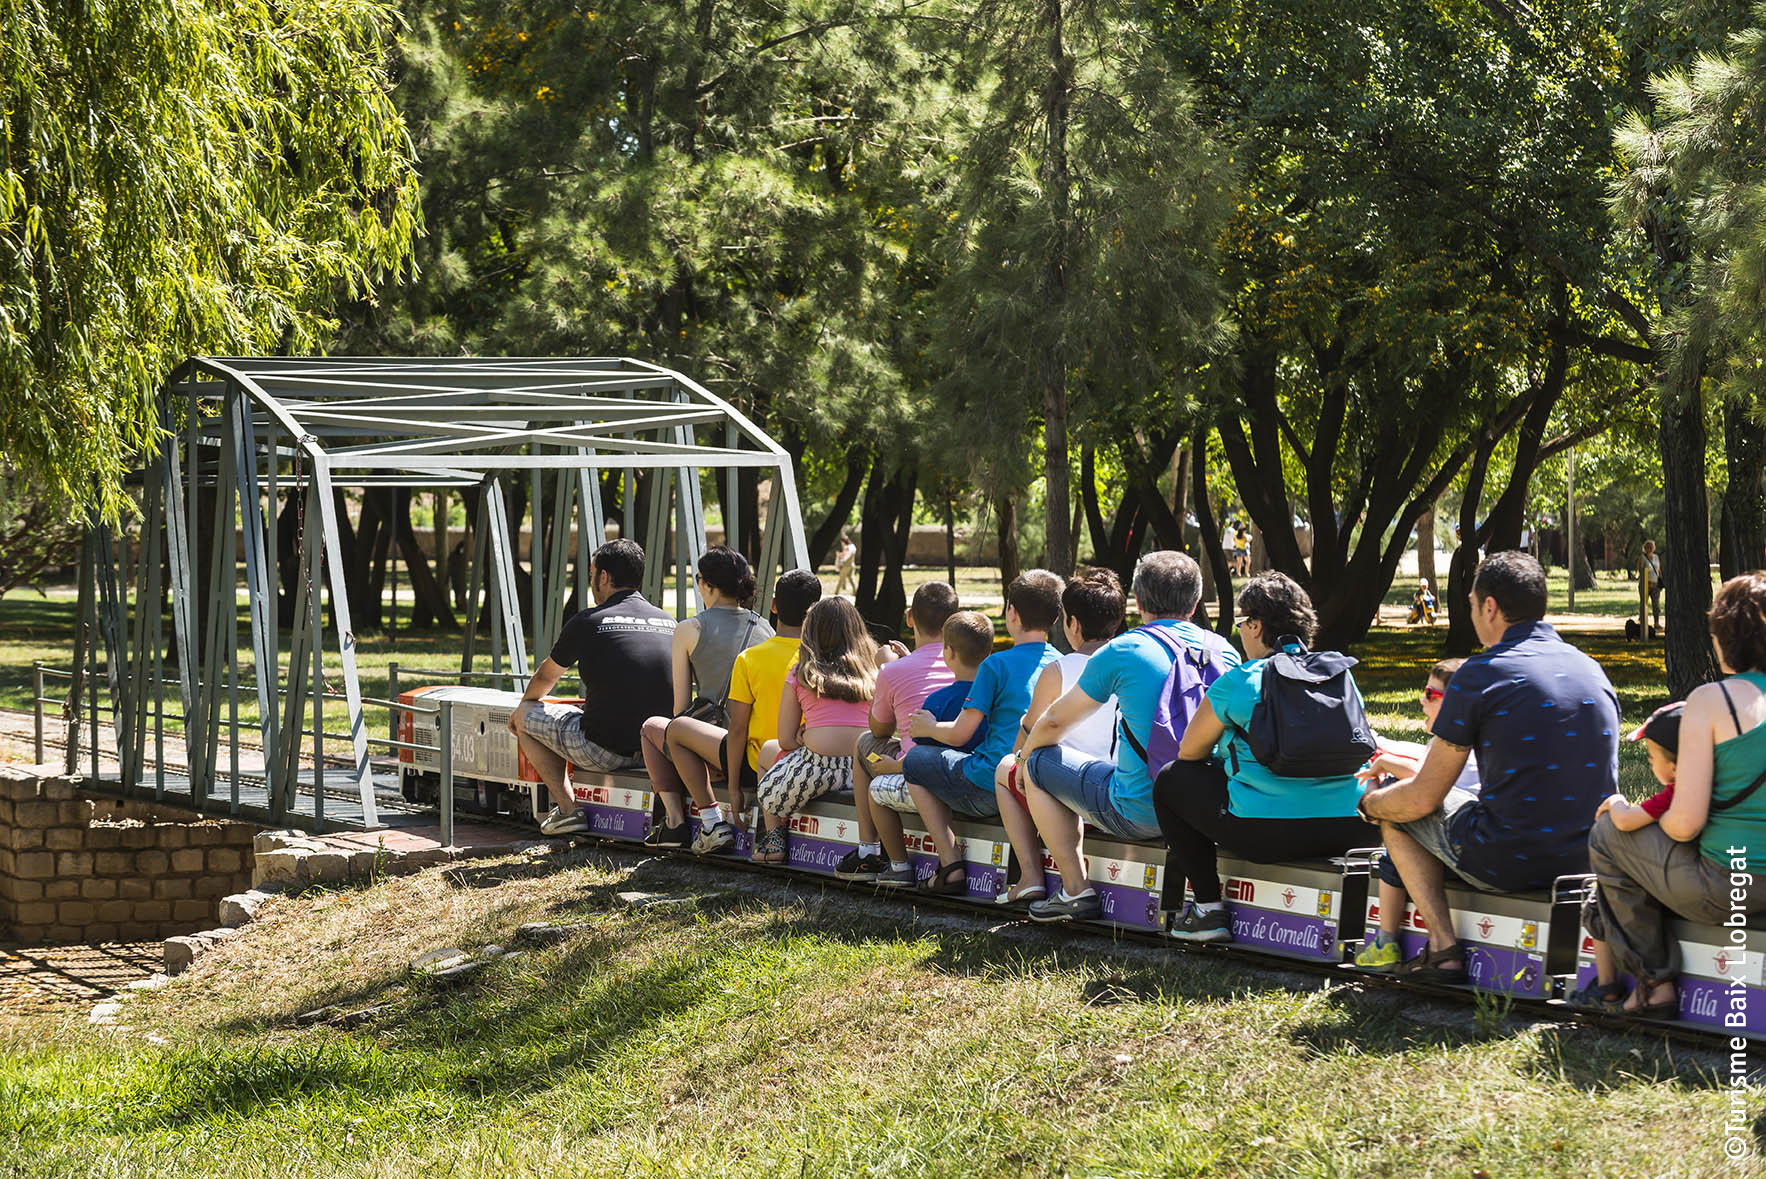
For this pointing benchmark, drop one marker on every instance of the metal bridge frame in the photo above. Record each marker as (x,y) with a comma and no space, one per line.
(262,430)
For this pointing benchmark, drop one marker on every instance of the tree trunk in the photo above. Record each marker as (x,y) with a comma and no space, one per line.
(1462,636)
(1057,104)
(1213,553)
(430,600)
(1425,548)
(1686,544)
(1094,514)
(950,539)
(888,525)
(1743,529)
(821,541)
(1580,568)
(1180,495)
(1007,512)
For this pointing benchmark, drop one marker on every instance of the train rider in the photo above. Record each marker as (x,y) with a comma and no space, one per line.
(1064,787)
(622,648)
(1545,724)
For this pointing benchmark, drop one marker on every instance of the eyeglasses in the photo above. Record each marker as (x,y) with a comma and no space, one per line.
(1244,622)
(1432,693)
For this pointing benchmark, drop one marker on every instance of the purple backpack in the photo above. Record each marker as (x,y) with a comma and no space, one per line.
(1192,670)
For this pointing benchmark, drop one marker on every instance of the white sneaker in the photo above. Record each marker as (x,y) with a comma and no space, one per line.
(558,823)
(715,838)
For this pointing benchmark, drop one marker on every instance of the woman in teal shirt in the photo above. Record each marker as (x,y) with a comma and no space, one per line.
(1702,860)
(1251,810)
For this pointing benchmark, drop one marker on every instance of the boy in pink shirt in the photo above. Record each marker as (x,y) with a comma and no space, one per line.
(902,688)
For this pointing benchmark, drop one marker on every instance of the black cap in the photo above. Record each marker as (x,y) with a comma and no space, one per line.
(1662,727)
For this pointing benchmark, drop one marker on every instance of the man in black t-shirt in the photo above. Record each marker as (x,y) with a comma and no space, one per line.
(622,648)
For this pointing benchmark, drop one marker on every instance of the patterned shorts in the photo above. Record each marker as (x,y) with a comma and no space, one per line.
(559,727)
(800,777)
(891,790)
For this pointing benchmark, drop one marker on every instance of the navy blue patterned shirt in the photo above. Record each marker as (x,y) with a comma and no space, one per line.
(1543,721)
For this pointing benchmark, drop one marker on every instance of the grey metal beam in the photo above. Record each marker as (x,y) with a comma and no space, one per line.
(346,644)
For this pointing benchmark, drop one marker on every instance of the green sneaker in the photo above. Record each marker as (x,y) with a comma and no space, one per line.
(1374,956)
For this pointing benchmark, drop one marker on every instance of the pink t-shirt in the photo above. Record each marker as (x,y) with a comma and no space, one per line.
(902,687)
(818,712)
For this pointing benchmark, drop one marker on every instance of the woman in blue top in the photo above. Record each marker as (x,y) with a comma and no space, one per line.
(1257,813)
(1704,858)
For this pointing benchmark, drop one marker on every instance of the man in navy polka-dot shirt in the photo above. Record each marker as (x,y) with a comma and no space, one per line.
(1545,725)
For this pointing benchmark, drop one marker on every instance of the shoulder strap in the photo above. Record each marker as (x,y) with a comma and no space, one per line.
(1727,699)
(1173,647)
(1742,796)
(724,701)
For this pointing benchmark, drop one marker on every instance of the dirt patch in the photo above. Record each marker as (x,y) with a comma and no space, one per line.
(41,978)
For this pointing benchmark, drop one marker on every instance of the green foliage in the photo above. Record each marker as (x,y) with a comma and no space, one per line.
(1101,274)
(722,188)
(178,177)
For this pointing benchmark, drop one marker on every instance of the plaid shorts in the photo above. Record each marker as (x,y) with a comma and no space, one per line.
(559,727)
(891,790)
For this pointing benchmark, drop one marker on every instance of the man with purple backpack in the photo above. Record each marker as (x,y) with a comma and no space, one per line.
(1167,656)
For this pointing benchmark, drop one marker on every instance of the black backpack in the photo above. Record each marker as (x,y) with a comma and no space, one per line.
(1309,721)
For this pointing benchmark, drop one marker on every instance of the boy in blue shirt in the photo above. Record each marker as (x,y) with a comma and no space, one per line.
(947,780)
(967,641)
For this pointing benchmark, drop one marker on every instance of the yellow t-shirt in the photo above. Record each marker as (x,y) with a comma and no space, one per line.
(758,678)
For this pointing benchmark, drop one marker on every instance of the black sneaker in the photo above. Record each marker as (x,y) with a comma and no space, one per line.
(892,877)
(853,866)
(663,835)
(1087,906)
(1193,925)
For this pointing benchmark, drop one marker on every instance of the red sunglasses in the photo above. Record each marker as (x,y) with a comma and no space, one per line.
(1433,693)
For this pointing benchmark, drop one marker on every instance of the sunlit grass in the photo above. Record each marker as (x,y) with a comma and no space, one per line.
(767,1029)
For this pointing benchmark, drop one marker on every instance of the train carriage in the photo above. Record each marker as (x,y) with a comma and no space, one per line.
(1528,946)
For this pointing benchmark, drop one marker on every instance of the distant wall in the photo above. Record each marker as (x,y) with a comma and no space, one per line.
(74,868)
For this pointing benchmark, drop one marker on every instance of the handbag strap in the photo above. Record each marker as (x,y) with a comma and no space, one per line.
(1741,796)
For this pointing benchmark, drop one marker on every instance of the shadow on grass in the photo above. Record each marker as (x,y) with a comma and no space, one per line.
(1382,1023)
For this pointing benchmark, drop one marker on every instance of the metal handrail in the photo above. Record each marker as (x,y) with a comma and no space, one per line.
(443,710)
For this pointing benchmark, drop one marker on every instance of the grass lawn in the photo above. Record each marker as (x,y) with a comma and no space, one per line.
(766,1028)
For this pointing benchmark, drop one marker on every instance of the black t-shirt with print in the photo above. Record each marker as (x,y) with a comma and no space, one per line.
(622,650)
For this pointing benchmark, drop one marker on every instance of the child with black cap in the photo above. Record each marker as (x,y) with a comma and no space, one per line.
(1660,735)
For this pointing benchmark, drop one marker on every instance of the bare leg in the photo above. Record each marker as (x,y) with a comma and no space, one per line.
(1061,830)
(694,747)
(861,795)
(936,816)
(1392,904)
(887,824)
(545,761)
(663,778)
(1606,967)
(1423,877)
(1026,846)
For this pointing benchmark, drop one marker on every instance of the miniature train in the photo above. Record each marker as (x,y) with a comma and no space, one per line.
(1527,945)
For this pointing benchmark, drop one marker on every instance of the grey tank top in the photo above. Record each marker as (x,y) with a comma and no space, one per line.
(724,633)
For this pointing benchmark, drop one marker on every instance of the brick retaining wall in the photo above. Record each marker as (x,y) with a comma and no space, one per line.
(79,869)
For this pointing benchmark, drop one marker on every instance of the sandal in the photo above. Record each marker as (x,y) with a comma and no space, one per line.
(1606,998)
(1667,1009)
(1427,966)
(939,885)
(1020,894)
(772,847)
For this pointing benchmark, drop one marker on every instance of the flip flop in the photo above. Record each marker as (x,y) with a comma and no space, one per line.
(1016,896)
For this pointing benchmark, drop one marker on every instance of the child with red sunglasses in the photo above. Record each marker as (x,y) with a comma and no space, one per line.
(1399,759)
